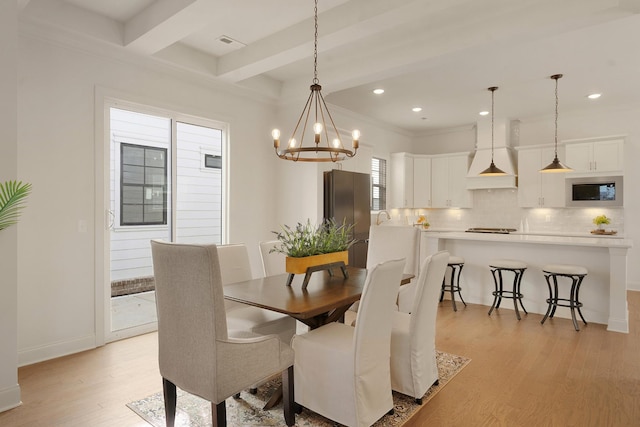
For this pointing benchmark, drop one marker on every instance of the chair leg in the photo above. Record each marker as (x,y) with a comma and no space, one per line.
(170,398)
(288,396)
(219,414)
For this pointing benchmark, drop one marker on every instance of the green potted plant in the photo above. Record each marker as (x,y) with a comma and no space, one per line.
(13,195)
(308,245)
(601,220)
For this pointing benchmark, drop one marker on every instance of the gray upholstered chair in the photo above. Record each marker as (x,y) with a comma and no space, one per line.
(196,353)
(342,372)
(236,267)
(413,336)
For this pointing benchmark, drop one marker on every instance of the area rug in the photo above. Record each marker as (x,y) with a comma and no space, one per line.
(193,411)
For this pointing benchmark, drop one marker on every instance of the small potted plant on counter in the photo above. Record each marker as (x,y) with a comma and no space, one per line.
(600,221)
(422,222)
(311,247)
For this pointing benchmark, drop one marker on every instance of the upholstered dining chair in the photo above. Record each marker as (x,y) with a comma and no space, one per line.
(273,263)
(235,266)
(413,336)
(195,351)
(342,372)
(394,242)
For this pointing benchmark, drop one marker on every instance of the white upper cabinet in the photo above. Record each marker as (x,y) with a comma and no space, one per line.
(448,182)
(596,156)
(421,182)
(537,189)
(401,180)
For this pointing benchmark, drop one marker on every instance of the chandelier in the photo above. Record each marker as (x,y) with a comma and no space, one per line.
(492,170)
(322,150)
(555,166)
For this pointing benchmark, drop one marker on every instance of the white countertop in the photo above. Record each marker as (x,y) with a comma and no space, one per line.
(570,240)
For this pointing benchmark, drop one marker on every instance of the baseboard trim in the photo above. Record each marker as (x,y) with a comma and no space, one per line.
(10,398)
(633,286)
(39,354)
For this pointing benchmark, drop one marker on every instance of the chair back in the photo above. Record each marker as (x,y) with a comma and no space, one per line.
(422,327)
(394,242)
(272,263)
(374,319)
(235,265)
(191,312)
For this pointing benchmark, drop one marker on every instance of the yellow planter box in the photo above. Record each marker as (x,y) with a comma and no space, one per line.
(300,265)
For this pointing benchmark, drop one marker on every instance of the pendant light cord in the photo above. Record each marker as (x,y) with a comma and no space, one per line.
(315,45)
(493,91)
(556,133)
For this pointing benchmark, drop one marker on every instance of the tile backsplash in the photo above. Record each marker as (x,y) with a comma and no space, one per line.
(498,208)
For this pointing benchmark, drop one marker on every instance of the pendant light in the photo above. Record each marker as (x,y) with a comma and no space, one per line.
(555,166)
(321,150)
(492,170)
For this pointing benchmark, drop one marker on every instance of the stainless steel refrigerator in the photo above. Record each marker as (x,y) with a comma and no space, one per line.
(347,196)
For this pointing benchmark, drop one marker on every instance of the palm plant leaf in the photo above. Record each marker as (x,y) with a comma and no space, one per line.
(13,195)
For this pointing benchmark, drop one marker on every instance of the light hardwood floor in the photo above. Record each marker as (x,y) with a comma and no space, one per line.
(521,374)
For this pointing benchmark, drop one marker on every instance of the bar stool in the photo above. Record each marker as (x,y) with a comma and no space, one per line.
(499,266)
(455,263)
(574,272)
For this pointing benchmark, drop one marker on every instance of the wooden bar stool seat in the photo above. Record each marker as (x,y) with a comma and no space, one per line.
(574,272)
(456,264)
(498,267)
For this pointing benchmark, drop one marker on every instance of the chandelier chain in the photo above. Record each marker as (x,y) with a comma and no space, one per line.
(315,45)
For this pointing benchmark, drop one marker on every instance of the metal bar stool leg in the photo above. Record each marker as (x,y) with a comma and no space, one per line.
(577,299)
(451,287)
(458,283)
(549,300)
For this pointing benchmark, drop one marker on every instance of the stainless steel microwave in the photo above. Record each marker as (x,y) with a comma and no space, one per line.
(597,191)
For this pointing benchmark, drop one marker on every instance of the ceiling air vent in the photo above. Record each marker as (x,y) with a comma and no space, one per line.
(230,42)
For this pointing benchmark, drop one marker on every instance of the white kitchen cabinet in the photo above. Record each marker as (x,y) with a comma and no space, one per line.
(535,189)
(421,182)
(401,180)
(448,181)
(595,156)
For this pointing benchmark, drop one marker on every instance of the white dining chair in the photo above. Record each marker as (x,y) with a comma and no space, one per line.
(235,266)
(394,242)
(195,350)
(273,263)
(342,372)
(413,336)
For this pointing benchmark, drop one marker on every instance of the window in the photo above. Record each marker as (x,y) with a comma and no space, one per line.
(143,185)
(378,184)
(212,161)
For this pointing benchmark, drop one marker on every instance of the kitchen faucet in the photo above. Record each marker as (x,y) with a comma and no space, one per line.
(378,222)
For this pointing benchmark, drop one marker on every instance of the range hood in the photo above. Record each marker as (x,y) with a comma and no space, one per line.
(503,155)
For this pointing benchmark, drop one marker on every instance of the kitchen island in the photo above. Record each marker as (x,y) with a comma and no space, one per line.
(603,292)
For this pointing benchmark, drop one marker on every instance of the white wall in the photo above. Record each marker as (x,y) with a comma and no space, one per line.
(60,93)
(9,388)
(57,86)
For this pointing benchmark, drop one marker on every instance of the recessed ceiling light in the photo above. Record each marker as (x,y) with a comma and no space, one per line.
(484,113)
(416,109)
(594,96)
(378,91)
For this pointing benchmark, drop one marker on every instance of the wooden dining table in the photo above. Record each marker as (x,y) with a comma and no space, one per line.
(325,299)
